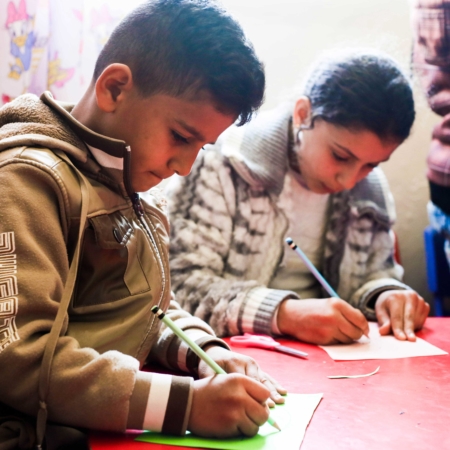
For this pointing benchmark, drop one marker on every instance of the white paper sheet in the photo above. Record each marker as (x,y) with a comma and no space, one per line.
(381,347)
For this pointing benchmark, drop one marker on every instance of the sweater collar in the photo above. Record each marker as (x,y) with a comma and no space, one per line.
(258,151)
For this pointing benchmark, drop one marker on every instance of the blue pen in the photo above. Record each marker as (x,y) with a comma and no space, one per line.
(312,268)
(314,271)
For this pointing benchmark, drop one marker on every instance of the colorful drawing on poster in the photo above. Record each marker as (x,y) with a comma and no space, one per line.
(20,25)
(57,76)
(6,99)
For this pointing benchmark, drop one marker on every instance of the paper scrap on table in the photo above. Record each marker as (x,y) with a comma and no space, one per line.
(293,418)
(336,377)
(381,347)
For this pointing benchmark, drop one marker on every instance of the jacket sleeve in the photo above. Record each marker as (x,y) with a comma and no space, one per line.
(87,389)
(172,352)
(201,213)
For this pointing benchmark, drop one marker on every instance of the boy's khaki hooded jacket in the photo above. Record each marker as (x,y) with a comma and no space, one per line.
(109,330)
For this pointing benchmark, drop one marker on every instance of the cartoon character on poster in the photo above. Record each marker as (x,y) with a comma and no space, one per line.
(57,75)
(20,27)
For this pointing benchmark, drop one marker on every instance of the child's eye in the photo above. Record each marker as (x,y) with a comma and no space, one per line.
(179,138)
(339,158)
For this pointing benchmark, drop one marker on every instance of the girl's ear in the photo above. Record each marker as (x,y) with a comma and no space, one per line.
(113,86)
(302,112)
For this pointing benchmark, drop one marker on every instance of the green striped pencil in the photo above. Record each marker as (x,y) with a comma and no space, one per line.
(196,349)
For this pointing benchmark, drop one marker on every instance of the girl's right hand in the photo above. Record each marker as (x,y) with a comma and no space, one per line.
(230,405)
(322,321)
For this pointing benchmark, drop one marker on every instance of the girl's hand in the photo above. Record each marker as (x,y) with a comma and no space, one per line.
(233,362)
(401,312)
(322,321)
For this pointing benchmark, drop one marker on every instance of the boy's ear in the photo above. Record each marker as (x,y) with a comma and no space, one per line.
(112,86)
(302,112)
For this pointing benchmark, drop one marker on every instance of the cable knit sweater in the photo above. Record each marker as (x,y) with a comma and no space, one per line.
(227,232)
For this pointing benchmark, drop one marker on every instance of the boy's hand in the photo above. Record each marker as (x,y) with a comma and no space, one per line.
(224,406)
(401,312)
(322,321)
(233,362)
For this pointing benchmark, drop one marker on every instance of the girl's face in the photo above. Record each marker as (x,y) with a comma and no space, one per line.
(332,158)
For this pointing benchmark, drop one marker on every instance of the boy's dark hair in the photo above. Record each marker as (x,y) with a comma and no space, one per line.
(362,90)
(181,47)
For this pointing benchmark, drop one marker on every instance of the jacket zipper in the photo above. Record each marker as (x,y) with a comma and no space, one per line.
(139,210)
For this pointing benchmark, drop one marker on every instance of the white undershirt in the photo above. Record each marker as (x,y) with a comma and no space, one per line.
(105,159)
(306,213)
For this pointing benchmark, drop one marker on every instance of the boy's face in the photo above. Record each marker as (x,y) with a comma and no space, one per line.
(165,134)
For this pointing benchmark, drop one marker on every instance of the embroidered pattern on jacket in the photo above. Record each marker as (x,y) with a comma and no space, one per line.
(8,291)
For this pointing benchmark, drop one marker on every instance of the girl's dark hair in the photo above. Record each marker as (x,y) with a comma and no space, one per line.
(181,47)
(362,90)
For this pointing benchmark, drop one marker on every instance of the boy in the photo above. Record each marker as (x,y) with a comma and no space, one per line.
(172,77)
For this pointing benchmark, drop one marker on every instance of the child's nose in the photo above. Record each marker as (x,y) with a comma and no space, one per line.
(348,178)
(182,165)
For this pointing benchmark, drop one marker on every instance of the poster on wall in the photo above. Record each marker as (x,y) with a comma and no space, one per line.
(53,45)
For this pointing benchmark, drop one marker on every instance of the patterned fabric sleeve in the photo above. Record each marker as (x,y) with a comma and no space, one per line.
(430,20)
(431,51)
(172,352)
(431,61)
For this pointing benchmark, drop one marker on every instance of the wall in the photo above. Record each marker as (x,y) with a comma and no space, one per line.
(289,35)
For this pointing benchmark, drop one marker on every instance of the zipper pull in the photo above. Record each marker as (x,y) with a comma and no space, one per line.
(137,205)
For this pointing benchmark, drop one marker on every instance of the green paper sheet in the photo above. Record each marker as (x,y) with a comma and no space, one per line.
(293,418)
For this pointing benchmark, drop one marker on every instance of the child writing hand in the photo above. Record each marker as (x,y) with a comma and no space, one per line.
(308,170)
(76,300)
(244,391)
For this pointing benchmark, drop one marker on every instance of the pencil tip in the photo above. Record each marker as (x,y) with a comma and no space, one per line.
(276,426)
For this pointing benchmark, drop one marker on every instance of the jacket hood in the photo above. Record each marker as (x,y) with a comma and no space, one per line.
(29,121)
(32,121)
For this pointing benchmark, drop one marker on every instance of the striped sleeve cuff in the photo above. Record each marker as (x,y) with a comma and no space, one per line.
(181,357)
(161,403)
(366,296)
(258,309)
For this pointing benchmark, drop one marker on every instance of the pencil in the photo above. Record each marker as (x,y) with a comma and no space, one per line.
(312,268)
(314,271)
(196,349)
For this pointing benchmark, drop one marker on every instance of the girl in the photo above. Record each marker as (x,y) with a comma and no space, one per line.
(309,172)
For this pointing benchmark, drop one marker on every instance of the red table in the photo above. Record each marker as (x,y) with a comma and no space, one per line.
(404,406)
